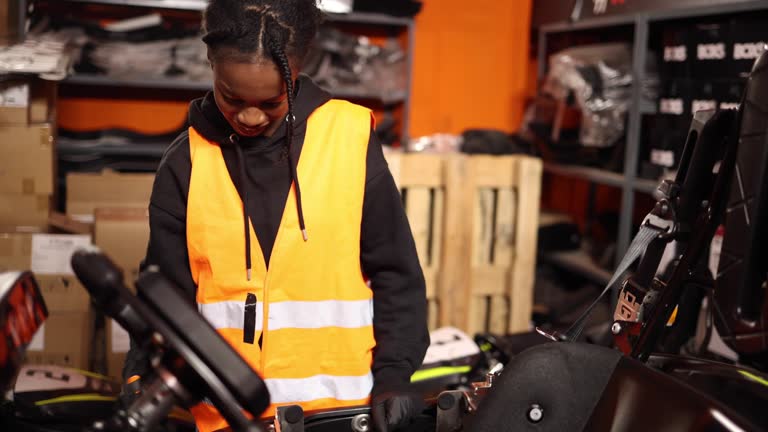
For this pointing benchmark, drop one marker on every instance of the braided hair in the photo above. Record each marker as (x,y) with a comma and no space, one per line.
(277,30)
(255,30)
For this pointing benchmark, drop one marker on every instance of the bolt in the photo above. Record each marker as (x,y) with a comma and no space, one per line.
(361,423)
(158,338)
(445,401)
(535,413)
(133,423)
(616,328)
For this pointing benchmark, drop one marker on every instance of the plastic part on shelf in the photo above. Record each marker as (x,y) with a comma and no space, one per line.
(335,6)
(598,78)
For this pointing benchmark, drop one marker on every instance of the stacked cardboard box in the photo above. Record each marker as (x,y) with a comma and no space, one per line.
(123,234)
(65,339)
(88,191)
(116,204)
(26,153)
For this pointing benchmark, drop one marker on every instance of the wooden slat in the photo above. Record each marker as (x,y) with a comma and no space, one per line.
(433,314)
(524,265)
(482,227)
(419,169)
(477,315)
(431,275)
(503,250)
(394,160)
(438,217)
(493,171)
(499,314)
(488,280)
(417,203)
(455,272)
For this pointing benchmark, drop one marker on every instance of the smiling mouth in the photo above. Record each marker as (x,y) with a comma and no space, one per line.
(251,131)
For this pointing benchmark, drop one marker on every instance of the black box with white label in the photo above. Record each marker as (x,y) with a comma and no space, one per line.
(728,93)
(748,38)
(703,96)
(675,52)
(663,139)
(710,50)
(675,97)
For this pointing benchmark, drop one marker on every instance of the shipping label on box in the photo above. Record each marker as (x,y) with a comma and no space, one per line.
(88,191)
(26,160)
(51,253)
(14,102)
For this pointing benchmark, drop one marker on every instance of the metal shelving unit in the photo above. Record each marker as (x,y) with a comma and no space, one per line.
(387,99)
(199,5)
(640,23)
(181,84)
(581,263)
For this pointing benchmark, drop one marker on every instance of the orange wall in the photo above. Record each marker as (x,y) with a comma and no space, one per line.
(146,116)
(470,65)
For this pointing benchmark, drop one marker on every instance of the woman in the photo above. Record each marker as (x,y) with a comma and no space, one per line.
(277,214)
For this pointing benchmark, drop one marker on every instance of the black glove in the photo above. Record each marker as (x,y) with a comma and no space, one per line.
(392,411)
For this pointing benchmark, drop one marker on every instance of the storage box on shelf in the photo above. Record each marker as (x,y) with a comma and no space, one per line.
(473,220)
(107,189)
(27,131)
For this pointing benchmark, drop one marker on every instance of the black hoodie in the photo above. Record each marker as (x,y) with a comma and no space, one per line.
(387,251)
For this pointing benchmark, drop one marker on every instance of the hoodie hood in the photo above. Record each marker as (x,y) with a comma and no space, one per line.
(205,117)
(207,120)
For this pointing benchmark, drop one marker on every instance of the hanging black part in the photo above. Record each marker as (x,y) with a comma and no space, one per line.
(249,322)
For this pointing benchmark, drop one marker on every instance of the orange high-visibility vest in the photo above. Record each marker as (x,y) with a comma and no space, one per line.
(314,310)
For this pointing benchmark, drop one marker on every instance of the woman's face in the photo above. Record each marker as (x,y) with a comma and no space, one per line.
(250,95)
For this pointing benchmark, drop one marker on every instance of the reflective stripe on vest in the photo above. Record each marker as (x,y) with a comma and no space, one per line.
(297,314)
(312,326)
(320,386)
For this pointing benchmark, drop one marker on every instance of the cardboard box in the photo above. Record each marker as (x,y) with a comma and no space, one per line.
(118,343)
(65,339)
(15,251)
(43,254)
(123,234)
(88,191)
(63,293)
(24,212)
(26,160)
(14,102)
(25,101)
(43,99)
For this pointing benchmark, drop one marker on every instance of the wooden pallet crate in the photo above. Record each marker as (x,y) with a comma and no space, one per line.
(474,221)
(421,180)
(492,208)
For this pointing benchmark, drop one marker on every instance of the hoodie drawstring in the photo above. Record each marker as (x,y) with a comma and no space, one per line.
(234,139)
(299,209)
(244,190)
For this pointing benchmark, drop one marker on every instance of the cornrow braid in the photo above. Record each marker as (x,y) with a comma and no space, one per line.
(243,25)
(281,60)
